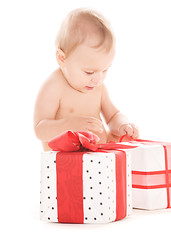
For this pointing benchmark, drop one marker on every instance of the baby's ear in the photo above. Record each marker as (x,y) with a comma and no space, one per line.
(60,56)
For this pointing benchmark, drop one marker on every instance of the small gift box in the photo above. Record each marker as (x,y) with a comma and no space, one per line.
(85,182)
(151,174)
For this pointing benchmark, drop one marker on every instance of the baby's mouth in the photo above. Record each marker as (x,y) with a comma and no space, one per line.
(89,88)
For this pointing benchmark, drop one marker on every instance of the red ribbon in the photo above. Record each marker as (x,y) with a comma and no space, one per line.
(69,187)
(70,141)
(69,167)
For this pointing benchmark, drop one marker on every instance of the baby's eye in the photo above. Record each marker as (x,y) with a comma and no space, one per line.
(89,73)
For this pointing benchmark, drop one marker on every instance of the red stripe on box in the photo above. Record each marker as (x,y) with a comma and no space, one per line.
(167,176)
(151,178)
(121,185)
(69,168)
(150,187)
(150,173)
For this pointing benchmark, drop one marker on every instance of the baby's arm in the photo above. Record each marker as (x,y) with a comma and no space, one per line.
(118,123)
(46,107)
(46,125)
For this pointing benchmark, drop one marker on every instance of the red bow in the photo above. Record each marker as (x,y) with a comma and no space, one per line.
(70,141)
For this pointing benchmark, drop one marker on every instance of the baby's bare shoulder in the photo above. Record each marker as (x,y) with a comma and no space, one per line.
(54,79)
(52,84)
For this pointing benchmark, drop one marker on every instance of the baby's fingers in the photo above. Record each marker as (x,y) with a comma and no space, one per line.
(95,127)
(94,124)
(126,129)
(135,132)
(129,130)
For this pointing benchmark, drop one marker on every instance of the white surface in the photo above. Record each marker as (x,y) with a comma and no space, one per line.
(145,224)
(139,84)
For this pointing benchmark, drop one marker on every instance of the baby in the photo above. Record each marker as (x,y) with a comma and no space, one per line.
(74,96)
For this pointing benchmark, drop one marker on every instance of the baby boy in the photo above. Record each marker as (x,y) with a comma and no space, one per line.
(74,96)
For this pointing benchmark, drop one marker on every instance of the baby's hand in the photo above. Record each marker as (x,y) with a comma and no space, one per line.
(130,130)
(85,124)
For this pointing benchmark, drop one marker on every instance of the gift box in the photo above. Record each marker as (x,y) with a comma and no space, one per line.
(151,174)
(85,182)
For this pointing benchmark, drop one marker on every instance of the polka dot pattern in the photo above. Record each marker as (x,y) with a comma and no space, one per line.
(129,182)
(48,194)
(99,187)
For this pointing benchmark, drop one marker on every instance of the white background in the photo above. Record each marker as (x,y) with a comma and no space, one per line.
(138,82)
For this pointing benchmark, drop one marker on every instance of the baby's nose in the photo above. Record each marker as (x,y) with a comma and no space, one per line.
(97,77)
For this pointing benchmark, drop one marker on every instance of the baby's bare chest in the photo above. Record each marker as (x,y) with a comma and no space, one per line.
(79,104)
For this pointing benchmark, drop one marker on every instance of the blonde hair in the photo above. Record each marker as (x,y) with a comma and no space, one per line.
(80,24)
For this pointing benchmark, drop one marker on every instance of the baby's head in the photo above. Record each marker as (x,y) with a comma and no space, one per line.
(85,34)
(82,25)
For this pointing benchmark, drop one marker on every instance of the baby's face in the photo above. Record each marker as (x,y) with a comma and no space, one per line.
(86,67)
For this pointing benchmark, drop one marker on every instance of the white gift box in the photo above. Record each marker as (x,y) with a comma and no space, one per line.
(151,175)
(100,193)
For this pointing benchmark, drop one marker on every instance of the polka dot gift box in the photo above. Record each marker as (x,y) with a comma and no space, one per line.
(84,182)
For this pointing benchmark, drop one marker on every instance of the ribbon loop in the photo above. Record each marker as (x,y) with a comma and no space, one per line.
(70,141)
